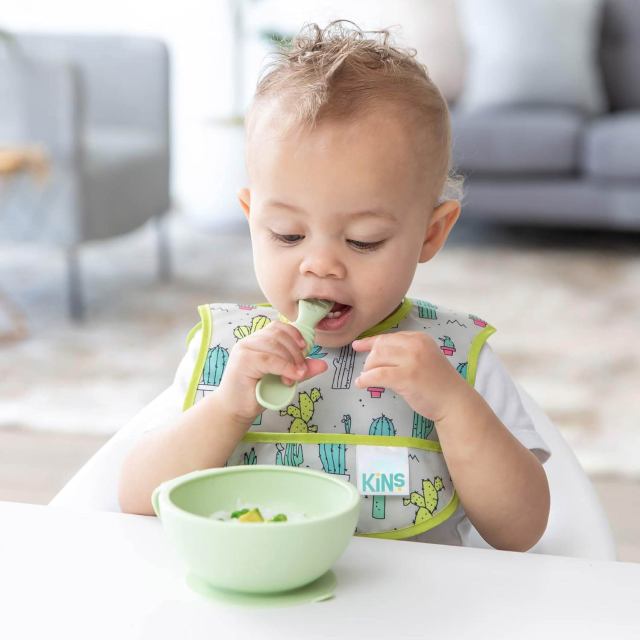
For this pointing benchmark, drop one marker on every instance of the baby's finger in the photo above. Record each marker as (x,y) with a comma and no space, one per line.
(264,362)
(295,334)
(292,345)
(364,344)
(314,366)
(270,346)
(377,377)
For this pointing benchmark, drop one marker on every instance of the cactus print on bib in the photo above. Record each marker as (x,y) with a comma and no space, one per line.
(329,417)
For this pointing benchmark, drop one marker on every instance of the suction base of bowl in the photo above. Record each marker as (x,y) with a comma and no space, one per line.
(316,591)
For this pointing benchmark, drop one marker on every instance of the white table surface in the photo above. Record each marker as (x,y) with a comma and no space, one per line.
(69,574)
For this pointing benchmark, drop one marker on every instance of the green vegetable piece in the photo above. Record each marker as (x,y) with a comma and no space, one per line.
(251,516)
(237,514)
(279,518)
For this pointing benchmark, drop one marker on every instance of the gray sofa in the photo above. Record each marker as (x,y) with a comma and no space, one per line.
(99,105)
(556,166)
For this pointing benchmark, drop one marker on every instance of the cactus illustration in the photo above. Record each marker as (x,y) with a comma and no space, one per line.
(479,322)
(214,365)
(422,426)
(257,420)
(448,347)
(427,501)
(427,310)
(462,369)
(316,352)
(290,454)
(332,456)
(257,323)
(303,413)
(381,426)
(376,392)
(343,364)
(251,457)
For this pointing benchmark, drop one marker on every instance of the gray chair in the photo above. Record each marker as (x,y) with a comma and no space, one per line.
(100,107)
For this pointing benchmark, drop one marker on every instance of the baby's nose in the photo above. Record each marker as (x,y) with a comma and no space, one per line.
(323,262)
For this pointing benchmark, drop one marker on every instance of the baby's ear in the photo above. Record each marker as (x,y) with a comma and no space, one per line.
(244,197)
(443,217)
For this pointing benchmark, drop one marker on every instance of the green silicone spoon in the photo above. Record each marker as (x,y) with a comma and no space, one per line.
(271,392)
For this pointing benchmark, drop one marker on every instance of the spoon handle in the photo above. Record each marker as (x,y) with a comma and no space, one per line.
(271,392)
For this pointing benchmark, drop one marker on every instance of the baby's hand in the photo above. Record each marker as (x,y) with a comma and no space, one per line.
(277,349)
(413,365)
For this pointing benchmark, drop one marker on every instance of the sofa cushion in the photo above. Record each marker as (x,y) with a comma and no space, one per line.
(515,141)
(612,146)
(532,52)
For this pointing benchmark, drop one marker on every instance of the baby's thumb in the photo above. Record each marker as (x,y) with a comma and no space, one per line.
(314,367)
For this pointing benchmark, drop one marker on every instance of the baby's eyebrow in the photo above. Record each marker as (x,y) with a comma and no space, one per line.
(373,213)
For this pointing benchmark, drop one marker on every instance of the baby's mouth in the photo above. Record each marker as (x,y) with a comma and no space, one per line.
(337,318)
(337,310)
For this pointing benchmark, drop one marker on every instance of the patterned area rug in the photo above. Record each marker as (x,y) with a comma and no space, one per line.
(566,306)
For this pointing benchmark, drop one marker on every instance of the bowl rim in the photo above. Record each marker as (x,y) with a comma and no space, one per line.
(166,488)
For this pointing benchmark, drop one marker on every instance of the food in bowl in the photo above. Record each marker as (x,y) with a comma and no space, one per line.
(256,514)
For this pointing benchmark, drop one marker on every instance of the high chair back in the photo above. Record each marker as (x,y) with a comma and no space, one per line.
(577,524)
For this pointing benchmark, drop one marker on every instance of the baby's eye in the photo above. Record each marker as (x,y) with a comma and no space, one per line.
(286,238)
(365,246)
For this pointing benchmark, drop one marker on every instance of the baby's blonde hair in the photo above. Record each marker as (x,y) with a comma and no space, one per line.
(340,72)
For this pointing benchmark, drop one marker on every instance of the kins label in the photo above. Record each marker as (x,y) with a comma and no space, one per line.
(382,471)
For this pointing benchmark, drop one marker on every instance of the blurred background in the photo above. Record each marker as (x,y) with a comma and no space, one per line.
(121,150)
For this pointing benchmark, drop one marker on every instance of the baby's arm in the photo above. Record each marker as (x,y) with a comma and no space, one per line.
(501,484)
(202,437)
(206,434)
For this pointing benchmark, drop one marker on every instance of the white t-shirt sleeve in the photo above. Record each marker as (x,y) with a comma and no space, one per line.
(495,385)
(167,407)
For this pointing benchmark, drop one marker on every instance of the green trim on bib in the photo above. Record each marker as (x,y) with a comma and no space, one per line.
(190,397)
(390,321)
(342,438)
(417,529)
(474,353)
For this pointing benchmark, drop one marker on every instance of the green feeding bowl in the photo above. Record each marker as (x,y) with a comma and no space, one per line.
(258,557)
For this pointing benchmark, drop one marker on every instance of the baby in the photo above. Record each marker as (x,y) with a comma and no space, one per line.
(348,157)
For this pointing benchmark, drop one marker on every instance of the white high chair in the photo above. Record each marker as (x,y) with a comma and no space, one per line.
(577,524)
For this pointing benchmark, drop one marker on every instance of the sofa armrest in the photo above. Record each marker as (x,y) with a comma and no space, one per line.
(125,79)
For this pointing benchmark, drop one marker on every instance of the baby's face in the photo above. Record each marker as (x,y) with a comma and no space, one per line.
(338,213)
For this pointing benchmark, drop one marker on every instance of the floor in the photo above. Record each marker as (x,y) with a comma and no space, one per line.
(34,465)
